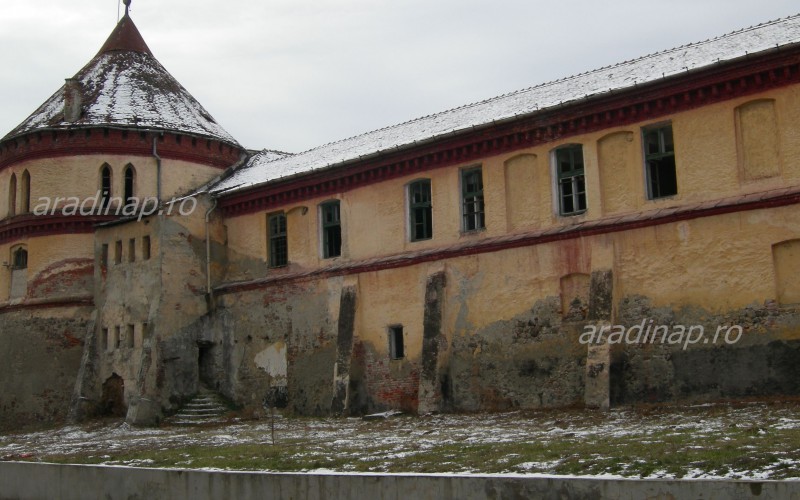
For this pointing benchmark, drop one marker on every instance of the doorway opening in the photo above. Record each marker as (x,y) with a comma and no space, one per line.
(113,400)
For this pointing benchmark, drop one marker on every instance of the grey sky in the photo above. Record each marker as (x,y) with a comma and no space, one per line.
(295,74)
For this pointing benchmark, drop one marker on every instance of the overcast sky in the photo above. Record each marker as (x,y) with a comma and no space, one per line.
(295,74)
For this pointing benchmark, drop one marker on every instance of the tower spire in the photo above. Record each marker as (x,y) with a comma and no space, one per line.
(127,6)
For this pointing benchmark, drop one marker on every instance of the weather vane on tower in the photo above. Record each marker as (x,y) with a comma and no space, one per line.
(127,5)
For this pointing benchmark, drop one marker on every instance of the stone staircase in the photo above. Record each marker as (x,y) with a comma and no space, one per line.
(207,407)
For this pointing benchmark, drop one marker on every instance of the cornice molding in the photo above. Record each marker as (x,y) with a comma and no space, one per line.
(29,225)
(58,303)
(110,141)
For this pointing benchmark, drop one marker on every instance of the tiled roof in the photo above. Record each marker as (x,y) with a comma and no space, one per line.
(125,86)
(264,169)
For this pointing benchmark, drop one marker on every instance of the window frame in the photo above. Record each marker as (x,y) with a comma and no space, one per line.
(106,184)
(25,192)
(396,337)
(12,195)
(422,208)
(277,240)
(331,228)
(473,203)
(15,260)
(574,177)
(129,187)
(659,156)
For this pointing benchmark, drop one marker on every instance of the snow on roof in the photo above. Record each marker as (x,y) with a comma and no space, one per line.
(125,86)
(263,169)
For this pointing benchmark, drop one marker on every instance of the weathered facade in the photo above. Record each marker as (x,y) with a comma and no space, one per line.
(451,263)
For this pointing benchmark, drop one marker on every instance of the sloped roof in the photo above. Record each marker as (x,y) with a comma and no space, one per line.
(650,68)
(125,86)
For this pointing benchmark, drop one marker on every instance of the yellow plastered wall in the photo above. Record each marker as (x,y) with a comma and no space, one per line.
(80,177)
(44,252)
(378,308)
(519,190)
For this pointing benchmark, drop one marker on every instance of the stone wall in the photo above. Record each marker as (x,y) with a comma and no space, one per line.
(39,363)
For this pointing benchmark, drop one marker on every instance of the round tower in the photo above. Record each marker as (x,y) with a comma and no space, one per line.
(119,131)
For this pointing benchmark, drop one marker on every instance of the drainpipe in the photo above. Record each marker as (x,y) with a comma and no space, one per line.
(158,166)
(209,290)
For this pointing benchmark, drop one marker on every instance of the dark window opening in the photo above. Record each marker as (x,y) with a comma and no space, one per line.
(118,252)
(146,248)
(130,177)
(132,250)
(571,180)
(105,185)
(130,333)
(472,199)
(104,256)
(420,210)
(278,244)
(659,151)
(331,230)
(12,196)
(20,259)
(26,192)
(396,342)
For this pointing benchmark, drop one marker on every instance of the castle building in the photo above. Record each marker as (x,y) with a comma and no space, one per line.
(629,234)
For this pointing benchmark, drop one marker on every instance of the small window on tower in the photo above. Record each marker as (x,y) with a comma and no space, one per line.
(146,248)
(118,252)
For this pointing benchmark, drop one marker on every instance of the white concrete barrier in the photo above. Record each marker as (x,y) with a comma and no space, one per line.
(27,480)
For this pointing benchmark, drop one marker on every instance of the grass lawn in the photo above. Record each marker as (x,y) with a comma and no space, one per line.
(754,439)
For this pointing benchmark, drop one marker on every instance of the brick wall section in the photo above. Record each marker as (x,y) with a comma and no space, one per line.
(388,384)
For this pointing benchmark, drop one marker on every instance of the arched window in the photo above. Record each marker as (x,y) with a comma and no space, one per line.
(130,178)
(105,184)
(20,258)
(12,196)
(26,192)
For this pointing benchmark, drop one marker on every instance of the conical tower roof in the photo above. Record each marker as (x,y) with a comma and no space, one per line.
(124,86)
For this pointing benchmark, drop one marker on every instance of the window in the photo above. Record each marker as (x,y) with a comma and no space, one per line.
(132,250)
(105,184)
(472,199)
(12,196)
(26,192)
(420,210)
(278,248)
(104,255)
(20,260)
(118,252)
(130,177)
(396,345)
(659,157)
(331,230)
(129,336)
(115,340)
(146,248)
(571,181)
(104,340)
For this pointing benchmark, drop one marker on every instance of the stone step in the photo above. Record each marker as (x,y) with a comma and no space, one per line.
(205,407)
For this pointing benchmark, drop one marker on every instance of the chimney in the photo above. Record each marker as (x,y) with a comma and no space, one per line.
(72,100)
